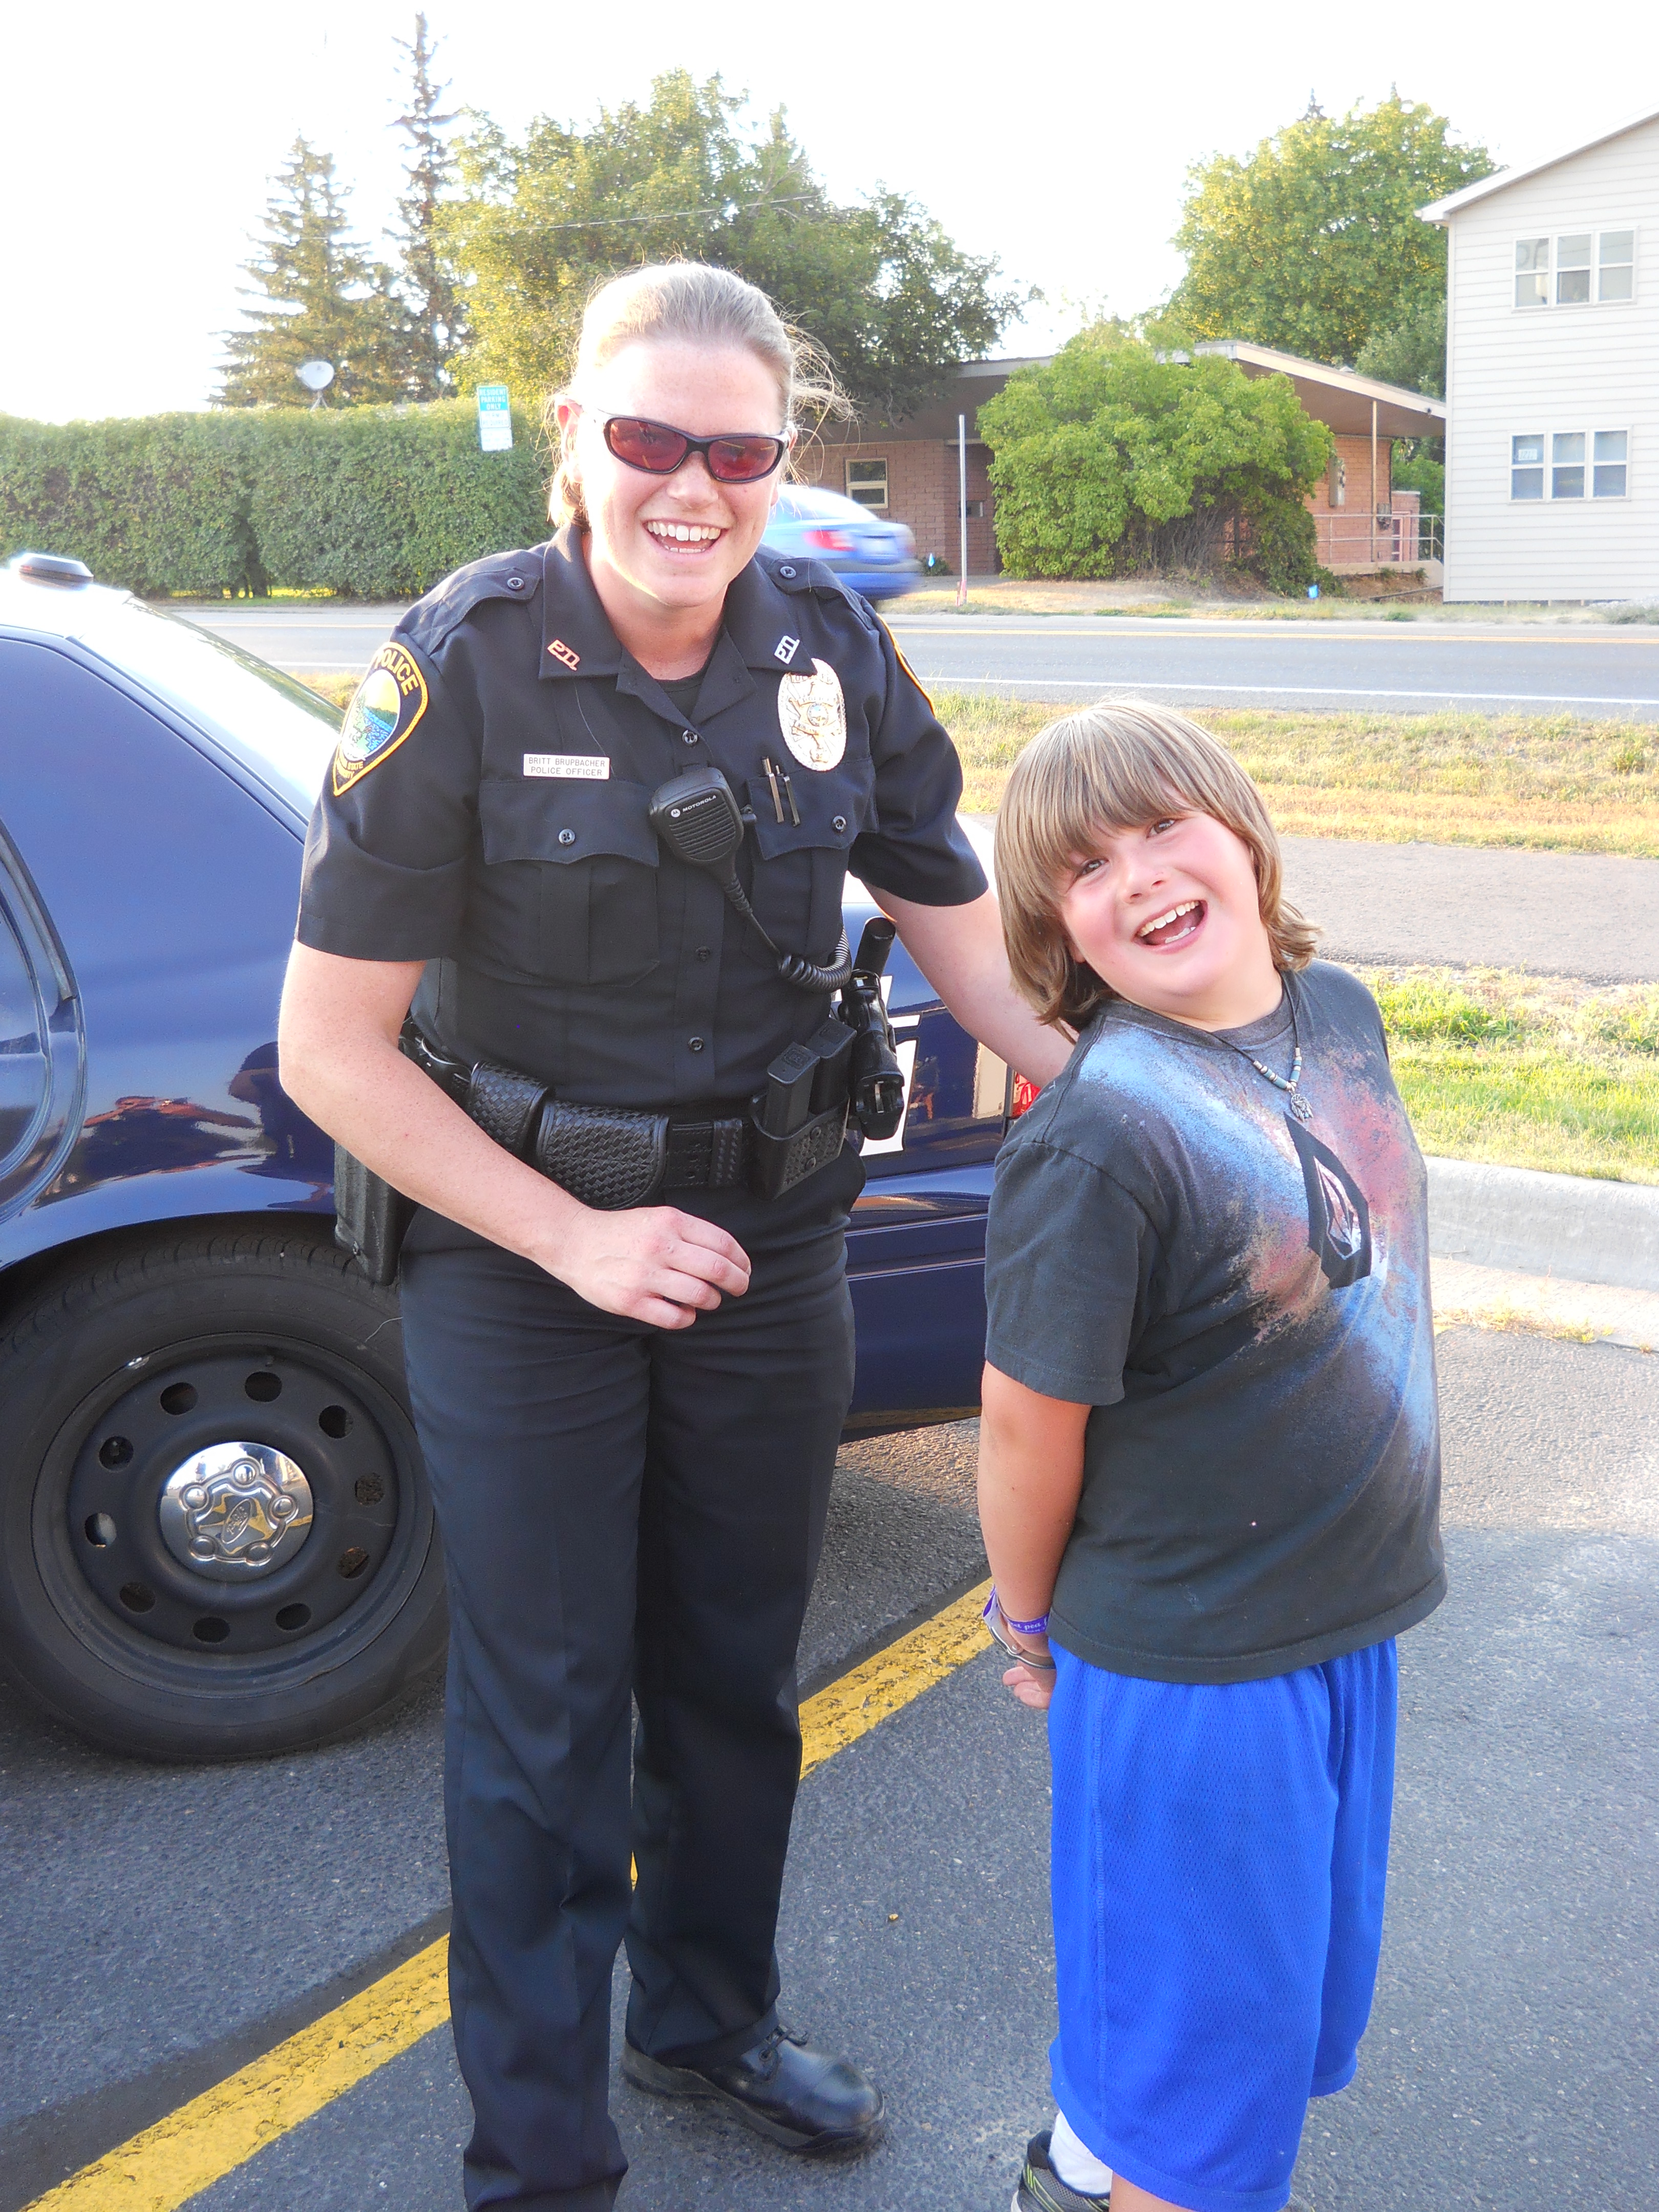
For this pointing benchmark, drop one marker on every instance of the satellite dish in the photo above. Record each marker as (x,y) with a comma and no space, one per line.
(315,375)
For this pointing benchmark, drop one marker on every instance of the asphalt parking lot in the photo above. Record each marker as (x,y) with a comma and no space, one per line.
(165,1925)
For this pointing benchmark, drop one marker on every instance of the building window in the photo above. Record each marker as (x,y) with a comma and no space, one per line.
(1582,464)
(1575,268)
(1572,270)
(1616,270)
(867,482)
(1567,465)
(1527,467)
(1532,272)
(1612,447)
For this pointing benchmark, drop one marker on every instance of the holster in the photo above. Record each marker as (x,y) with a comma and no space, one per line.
(371,1220)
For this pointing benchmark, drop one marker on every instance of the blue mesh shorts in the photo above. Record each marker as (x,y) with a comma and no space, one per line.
(1220,1852)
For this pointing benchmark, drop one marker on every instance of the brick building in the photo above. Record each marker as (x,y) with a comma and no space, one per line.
(908,470)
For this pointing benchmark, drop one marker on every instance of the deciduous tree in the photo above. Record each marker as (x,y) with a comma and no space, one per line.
(880,286)
(1107,462)
(1314,243)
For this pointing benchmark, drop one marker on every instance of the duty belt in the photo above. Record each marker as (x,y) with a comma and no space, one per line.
(612,1157)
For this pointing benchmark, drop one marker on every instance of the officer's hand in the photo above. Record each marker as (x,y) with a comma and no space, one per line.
(650,1263)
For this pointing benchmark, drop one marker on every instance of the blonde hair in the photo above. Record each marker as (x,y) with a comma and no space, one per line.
(1114,766)
(697,304)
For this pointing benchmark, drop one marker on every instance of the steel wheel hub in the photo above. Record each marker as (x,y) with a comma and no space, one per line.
(234,1511)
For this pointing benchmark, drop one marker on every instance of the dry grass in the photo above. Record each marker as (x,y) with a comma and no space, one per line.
(1546,781)
(334,684)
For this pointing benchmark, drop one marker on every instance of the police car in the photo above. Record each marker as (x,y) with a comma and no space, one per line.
(217,1538)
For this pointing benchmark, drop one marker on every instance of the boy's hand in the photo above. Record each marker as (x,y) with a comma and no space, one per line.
(1033,1689)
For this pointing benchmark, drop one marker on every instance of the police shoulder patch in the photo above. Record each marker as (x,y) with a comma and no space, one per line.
(385,707)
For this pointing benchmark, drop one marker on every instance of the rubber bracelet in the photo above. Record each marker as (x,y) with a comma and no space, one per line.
(1038,1627)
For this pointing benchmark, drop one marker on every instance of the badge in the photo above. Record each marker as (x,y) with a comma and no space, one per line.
(385,708)
(812,715)
(786,649)
(567,654)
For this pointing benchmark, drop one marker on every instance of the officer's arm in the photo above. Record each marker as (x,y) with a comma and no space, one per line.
(959,949)
(340,1064)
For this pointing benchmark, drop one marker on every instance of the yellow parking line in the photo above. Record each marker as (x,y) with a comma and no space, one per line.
(165,2165)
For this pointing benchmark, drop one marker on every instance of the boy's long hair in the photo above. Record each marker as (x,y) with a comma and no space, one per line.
(1115,767)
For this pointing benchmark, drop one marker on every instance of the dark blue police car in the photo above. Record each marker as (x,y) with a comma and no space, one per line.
(217,1538)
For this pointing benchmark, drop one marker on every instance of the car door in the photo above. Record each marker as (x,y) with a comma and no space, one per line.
(916,1248)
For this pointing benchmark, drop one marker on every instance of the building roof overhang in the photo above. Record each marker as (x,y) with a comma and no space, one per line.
(1339,396)
(1442,210)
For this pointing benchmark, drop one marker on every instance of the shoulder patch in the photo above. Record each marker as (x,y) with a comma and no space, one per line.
(898,655)
(385,707)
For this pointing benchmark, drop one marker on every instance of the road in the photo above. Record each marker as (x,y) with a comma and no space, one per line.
(165,1924)
(1397,668)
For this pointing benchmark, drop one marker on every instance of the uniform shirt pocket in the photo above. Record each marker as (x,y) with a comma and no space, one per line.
(568,888)
(801,868)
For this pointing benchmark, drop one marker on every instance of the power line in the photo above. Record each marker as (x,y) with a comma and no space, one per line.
(675,215)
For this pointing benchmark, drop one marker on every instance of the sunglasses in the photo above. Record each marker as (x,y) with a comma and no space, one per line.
(659,449)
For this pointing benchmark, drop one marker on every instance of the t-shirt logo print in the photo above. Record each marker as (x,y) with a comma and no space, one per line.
(385,707)
(1338,1219)
(812,715)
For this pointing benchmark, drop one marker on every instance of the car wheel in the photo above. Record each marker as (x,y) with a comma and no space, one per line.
(216,1539)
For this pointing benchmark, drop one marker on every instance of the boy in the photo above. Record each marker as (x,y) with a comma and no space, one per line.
(1209,1466)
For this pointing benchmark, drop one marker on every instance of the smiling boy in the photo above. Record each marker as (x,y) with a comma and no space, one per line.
(1209,1469)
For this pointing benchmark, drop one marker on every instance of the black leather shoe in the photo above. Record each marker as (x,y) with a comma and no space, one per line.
(783,2088)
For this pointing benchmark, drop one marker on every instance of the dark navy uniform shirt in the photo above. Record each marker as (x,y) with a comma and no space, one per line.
(487,813)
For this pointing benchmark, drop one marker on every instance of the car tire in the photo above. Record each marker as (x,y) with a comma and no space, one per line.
(217,1537)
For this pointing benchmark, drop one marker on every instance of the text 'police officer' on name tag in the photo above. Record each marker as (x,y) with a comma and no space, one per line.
(590,767)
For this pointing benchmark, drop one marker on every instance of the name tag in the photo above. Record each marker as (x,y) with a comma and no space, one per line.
(589,768)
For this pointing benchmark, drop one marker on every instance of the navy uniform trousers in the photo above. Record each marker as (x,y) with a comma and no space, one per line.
(624,1510)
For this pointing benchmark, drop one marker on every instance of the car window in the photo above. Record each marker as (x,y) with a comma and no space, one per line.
(272,725)
(807,505)
(24,1073)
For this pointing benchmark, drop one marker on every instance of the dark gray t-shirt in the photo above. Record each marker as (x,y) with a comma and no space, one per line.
(1243,1301)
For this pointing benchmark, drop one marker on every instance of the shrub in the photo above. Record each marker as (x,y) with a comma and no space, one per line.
(158,503)
(1107,462)
(371,502)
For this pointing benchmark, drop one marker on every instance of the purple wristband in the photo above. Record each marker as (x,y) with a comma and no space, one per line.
(1038,1627)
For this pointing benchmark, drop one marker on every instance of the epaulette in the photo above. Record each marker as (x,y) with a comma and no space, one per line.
(796,575)
(516,576)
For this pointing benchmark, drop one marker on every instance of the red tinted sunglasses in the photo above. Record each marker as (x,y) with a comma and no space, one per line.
(659,449)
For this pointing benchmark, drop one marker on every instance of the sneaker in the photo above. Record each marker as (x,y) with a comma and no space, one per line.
(1042,2189)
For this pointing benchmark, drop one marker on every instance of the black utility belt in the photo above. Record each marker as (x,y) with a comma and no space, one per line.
(613,1157)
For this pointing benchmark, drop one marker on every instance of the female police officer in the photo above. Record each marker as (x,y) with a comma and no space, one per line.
(630,1412)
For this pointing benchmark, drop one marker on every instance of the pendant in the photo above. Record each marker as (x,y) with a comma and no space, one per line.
(1300,1107)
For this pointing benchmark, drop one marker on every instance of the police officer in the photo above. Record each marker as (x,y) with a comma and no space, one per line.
(629,1398)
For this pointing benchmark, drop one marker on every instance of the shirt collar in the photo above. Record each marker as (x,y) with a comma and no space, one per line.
(577,639)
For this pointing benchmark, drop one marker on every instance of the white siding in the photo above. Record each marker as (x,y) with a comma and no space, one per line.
(1513,370)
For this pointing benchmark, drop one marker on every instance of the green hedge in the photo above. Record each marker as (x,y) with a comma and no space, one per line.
(371,502)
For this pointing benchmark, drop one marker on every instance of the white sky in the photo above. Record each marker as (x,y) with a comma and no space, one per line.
(136,142)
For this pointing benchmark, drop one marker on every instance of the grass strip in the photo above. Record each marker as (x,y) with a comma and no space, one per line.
(1527,1070)
(1556,782)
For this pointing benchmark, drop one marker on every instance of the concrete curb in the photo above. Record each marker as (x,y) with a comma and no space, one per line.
(1545,1224)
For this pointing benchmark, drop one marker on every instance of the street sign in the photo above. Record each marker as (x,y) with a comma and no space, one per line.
(495,418)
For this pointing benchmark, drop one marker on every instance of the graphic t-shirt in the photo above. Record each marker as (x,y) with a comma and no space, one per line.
(1242,1299)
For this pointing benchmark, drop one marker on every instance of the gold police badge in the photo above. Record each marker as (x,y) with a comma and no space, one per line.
(385,708)
(812,715)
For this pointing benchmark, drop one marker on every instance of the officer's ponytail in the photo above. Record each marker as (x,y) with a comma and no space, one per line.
(695,304)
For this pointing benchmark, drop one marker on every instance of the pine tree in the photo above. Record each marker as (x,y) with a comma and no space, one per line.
(321,299)
(435,333)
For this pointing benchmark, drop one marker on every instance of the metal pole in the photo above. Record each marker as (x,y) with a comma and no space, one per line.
(1373,483)
(962,505)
